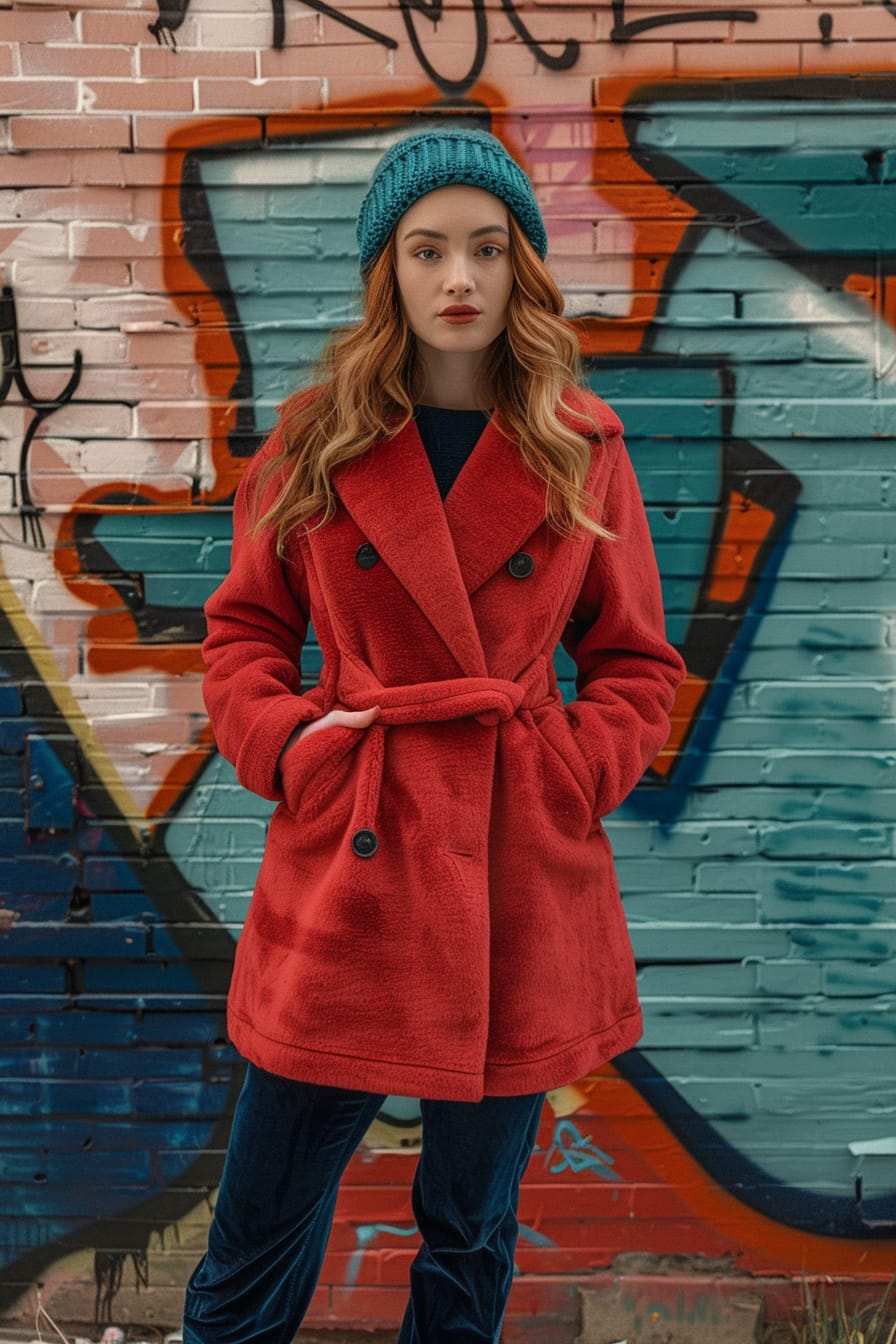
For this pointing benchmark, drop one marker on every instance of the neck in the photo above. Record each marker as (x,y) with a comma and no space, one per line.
(451,381)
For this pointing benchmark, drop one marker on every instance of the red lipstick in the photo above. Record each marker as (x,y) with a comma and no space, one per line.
(459,313)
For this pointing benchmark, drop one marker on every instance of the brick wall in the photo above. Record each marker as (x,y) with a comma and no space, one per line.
(176,240)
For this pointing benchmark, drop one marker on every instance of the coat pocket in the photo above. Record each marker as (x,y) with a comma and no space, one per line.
(312,770)
(557,731)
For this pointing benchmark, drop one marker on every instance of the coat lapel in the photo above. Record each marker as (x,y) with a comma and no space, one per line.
(392,495)
(495,504)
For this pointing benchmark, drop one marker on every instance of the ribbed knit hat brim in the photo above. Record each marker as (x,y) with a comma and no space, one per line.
(431,159)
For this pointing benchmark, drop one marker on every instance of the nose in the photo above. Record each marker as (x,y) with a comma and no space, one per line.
(458,279)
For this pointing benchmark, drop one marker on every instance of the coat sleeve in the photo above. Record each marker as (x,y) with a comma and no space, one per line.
(257,621)
(627,673)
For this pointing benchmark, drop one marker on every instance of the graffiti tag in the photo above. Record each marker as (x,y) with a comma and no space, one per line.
(12,375)
(562,54)
(576,1153)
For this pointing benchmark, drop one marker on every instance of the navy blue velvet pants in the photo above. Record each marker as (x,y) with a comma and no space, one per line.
(289,1146)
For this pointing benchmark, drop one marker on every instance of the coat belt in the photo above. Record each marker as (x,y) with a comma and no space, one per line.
(489,700)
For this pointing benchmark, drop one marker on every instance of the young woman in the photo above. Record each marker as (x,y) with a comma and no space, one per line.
(436,913)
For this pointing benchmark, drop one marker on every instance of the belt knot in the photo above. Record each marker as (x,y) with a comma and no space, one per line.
(489,700)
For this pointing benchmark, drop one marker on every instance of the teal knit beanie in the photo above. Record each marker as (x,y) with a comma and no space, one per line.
(431,159)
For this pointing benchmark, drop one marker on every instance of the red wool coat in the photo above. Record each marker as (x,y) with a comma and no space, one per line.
(436,913)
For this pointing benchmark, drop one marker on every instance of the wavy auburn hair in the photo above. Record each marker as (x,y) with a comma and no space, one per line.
(372,378)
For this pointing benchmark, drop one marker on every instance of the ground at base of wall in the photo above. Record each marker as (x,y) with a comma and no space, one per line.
(651,1303)
(83,1333)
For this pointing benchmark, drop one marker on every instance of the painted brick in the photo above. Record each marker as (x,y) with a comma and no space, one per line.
(48,204)
(41,59)
(36,1097)
(824,840)
(713,1028)
(122,310)
(55,133)
(172,420)
(136,95)
(49,277)
(862,944)
(27,24)
(39,170)
(703,840)
(682,907)
(789,978)
(38,95)
(108,419)
(644,876)
(801,1031)
(162,63)
(111,241)
(128,27)
(153,131)
(825,893)
(839,57)
(30,940)
(851,978)
(221,95)
(42,314)
(313,60)
(219,31)
(37,240)
(679,942)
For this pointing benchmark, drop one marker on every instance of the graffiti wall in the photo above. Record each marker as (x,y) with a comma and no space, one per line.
(176,243)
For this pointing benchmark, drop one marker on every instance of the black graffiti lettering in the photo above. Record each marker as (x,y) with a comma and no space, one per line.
(563,60)
(12,375)
(171,15)
(432,10)
(624,31)
(356,25)
(108,1271)
(173,12)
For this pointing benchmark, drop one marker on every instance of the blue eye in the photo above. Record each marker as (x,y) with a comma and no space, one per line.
(426,253)
(490,250)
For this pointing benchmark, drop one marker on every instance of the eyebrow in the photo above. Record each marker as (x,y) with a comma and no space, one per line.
(475,233)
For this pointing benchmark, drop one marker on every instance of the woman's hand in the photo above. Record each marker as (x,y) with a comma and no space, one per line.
(336,718)
(342,718)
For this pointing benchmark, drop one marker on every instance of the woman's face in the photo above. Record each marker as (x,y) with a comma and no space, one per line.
(452,265)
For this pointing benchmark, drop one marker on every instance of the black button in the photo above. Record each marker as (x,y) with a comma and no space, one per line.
(521,565)
(366,556)
(365,844)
